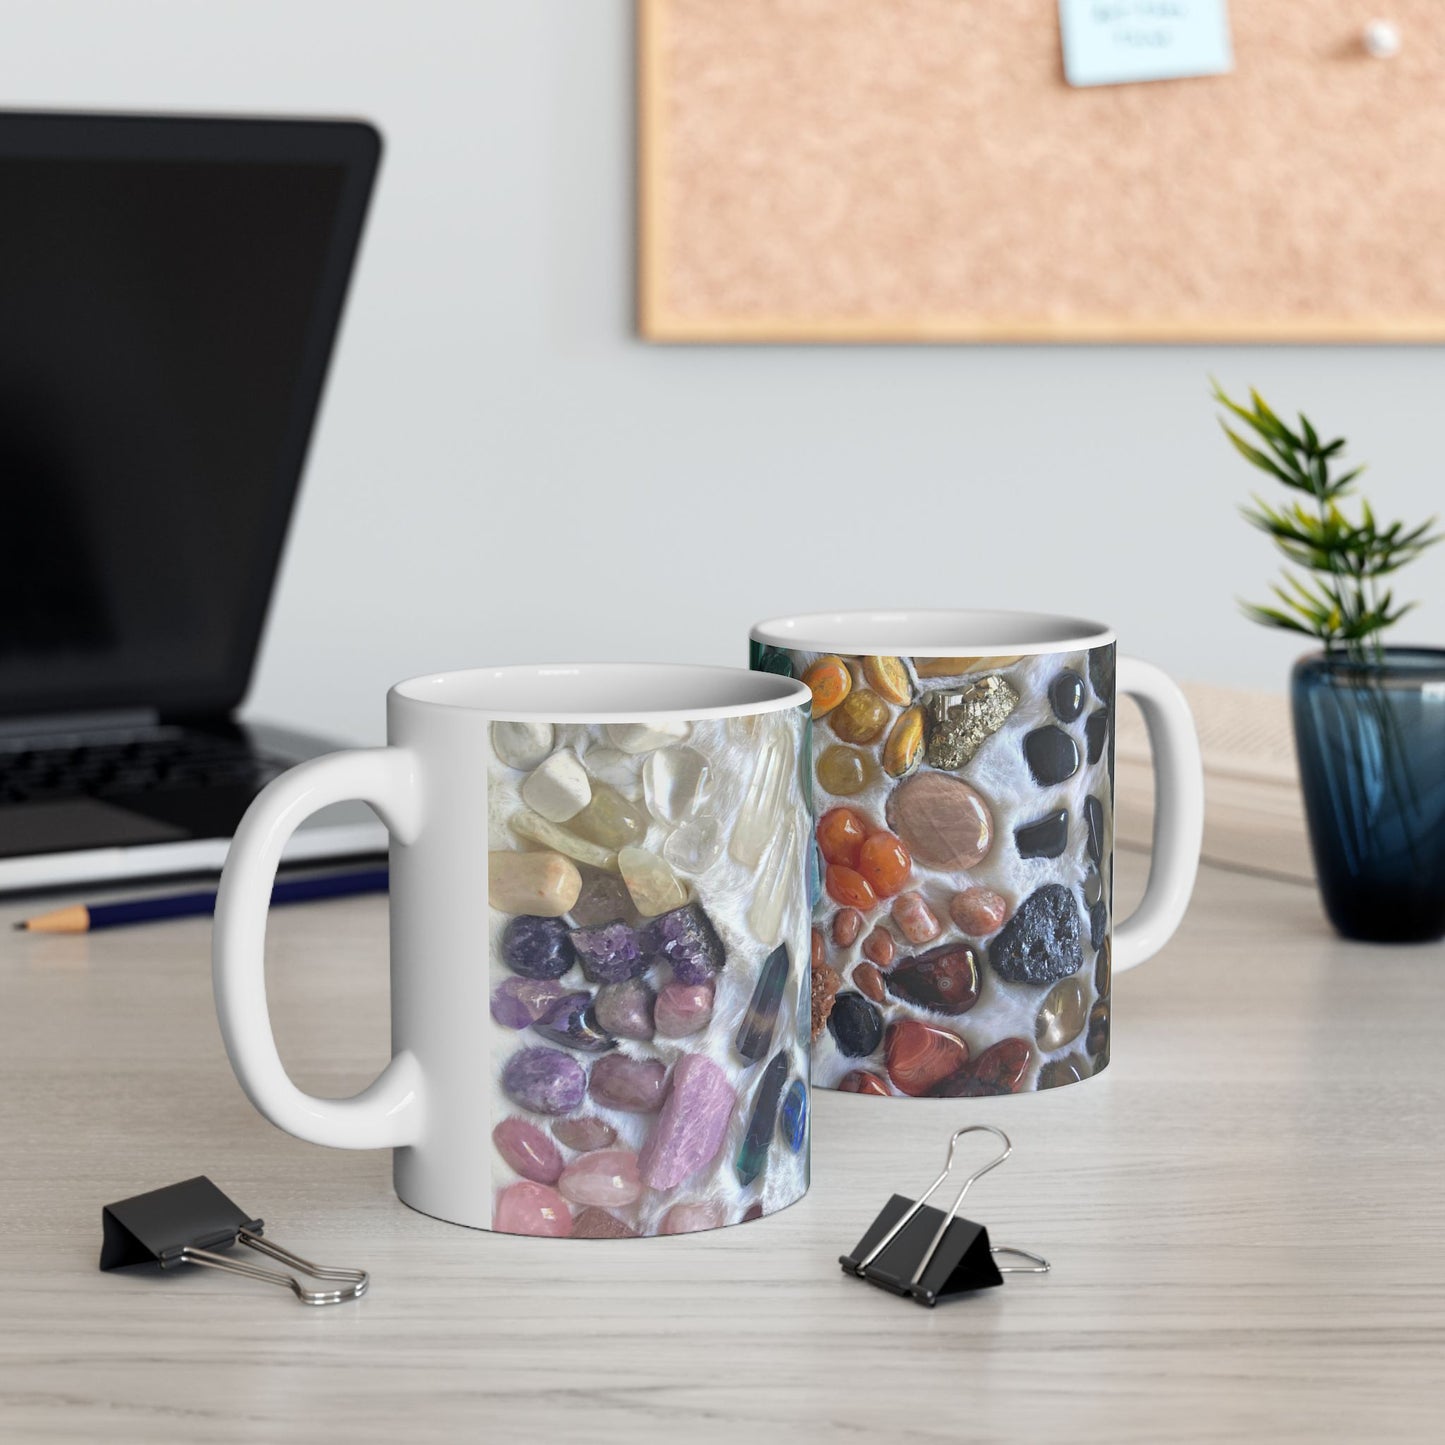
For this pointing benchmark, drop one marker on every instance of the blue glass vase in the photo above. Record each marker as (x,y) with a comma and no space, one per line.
(1371,742)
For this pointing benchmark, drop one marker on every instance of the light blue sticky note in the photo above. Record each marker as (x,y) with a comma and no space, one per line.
(1111,42)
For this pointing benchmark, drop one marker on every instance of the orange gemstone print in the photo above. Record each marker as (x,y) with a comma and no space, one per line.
(885,863)
(830,682)
(841,832)
(849,887)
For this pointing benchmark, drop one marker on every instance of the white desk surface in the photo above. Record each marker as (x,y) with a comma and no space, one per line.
(1245,1214)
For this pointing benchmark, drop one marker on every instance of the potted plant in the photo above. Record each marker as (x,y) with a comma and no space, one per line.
(1369,719)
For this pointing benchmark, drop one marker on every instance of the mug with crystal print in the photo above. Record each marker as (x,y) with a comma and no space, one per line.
(963,776)
(614,1043)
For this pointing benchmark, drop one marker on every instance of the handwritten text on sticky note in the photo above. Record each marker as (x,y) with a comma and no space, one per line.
(1109,42)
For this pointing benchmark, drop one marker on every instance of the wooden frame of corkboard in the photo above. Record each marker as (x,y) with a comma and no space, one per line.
(919,170)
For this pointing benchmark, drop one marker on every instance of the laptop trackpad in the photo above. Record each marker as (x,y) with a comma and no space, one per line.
(75,823)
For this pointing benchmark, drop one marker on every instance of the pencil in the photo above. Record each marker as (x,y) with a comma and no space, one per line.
(82,918)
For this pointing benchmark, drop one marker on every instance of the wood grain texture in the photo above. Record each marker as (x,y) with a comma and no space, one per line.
(1245,1213)
(919,170)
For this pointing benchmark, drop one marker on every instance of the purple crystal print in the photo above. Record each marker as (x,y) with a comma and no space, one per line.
(694,1120)
(517,1002)
(537,947)
(608,953)
(627,954)
(547,1081)
(686,939)
(572,1023)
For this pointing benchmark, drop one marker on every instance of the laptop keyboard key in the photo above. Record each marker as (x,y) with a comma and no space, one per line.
(107,769)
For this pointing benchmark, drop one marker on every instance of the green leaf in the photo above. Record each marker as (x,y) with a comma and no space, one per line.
(1413,539)
(1270,617)
(1313,609)
(1267,421)
(1332,596)
(1264,423)
(1256,457)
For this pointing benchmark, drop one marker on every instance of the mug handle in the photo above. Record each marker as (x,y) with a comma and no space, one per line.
(1178,813)
(388,1113)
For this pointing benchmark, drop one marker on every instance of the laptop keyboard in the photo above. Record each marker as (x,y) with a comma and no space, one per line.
(160,760)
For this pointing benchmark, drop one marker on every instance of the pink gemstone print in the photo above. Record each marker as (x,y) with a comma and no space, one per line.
(529,1208)
(607,1178)
(648,893)
(528,1150)
(689,1131)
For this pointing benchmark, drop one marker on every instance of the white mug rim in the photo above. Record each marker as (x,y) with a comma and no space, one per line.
(461,690)
(919,632)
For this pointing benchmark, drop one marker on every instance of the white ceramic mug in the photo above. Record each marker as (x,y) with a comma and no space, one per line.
(610,1045)
(964,785)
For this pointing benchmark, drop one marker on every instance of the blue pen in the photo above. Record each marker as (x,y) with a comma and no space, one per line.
(81,919)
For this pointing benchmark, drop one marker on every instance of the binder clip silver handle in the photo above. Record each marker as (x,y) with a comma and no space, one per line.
(1039,1264)
(357,1279)
(923,1198)
(970,1261)
(191,1222)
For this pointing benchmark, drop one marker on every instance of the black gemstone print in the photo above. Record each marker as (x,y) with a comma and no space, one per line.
(856,1025)
(1094,827)
(1097,1039)
(1040,943)
(1052,755)
(1093,888)
(1101,672)
(1066,696)
(754,1152)
(1096,733)
(1058,1072)
(944,979)
(1045,837)
(1098,925)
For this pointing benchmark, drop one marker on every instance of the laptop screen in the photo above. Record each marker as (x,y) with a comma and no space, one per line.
(169,292)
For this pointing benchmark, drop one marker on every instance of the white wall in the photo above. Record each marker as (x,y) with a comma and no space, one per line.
(503,472)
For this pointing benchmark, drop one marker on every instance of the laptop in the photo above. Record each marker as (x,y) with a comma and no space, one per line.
(170,290)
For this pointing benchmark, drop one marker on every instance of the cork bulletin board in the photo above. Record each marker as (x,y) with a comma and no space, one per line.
(919,170)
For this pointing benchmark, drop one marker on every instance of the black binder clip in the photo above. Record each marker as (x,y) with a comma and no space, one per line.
(914,1250)
(187,1223)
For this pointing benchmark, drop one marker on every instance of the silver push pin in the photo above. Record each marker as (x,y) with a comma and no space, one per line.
(1381,39)
(189,1222)
(914,1250)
